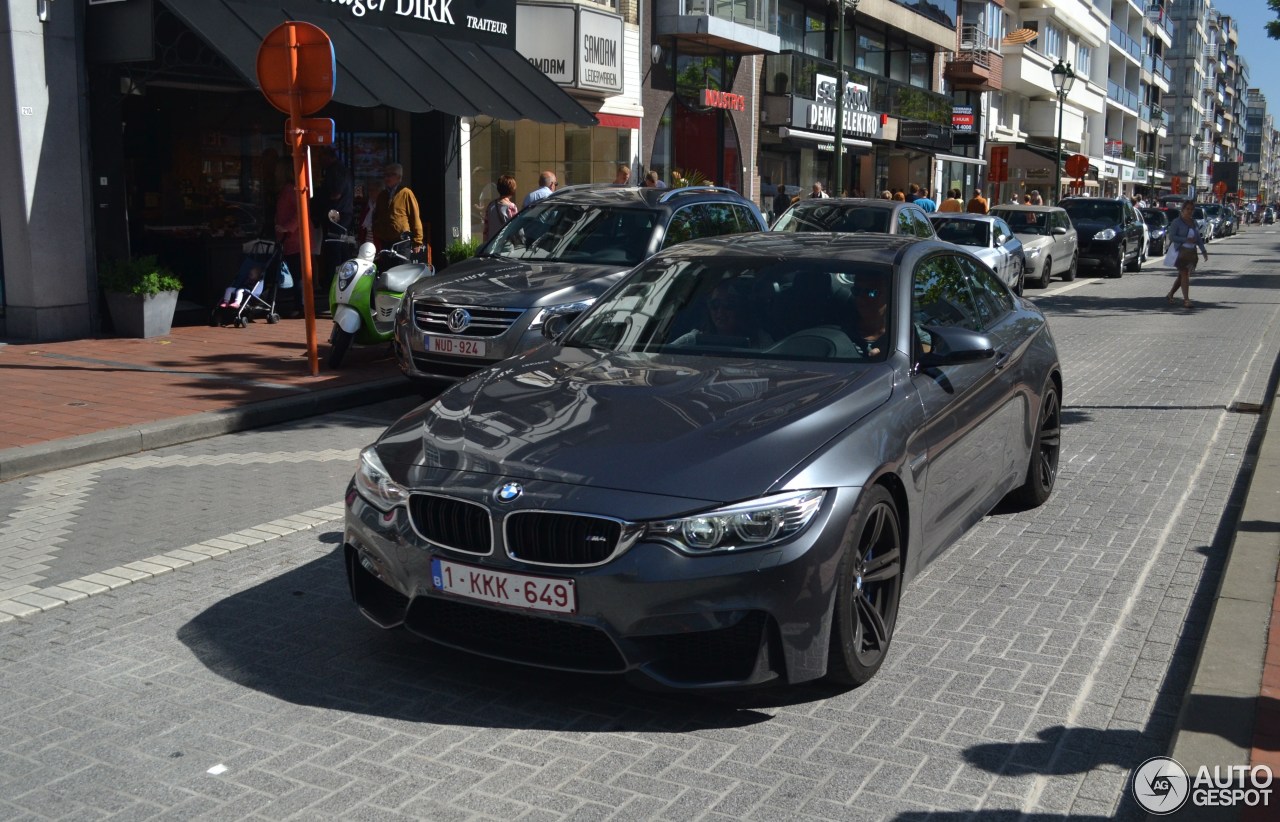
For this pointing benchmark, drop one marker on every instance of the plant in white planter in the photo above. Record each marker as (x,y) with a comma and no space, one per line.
(141,296)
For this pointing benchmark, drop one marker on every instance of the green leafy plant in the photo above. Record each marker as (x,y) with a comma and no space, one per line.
(459,250)
(143,276)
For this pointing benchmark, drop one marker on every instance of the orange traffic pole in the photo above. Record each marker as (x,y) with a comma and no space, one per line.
(296,135)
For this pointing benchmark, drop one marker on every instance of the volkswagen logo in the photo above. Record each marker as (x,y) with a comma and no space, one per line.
(459,319)
(508,492)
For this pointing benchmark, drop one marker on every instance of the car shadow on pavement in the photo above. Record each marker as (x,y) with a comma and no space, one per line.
(992,816)
(1099,305)
(298,637)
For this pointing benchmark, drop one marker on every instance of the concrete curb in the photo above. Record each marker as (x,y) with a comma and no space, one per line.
(1216,723)
(120,442)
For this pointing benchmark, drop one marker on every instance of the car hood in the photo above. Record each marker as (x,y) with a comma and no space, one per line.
(708,429)
(517,283)
(1030,242)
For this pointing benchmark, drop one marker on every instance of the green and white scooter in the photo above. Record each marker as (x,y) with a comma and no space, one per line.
(365,294)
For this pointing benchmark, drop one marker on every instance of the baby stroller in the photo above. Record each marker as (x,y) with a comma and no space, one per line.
(253,292)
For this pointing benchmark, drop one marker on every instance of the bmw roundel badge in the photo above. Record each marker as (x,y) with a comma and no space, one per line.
(508,492)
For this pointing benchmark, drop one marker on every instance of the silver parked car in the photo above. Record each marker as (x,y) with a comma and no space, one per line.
(1049,241)
(722,473)
(990,239)
(559,254)
(856,215)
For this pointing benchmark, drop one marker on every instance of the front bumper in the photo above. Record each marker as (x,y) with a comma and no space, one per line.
(417,362)
(651,612)
(1099,253)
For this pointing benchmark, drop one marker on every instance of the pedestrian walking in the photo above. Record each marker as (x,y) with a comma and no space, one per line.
(333,194)
(502,210)
(816,193)
(623,176)
(396,211)
(977,203)
(1036,199)
(925,201)
(781,201)
(953,203)
(886,195)
(1185,237)
(546,185)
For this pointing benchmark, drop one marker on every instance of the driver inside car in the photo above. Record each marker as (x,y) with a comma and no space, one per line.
(871,305)
(729,321)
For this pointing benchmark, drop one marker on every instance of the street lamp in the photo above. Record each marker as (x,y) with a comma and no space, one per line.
(852,7)
(1063,79)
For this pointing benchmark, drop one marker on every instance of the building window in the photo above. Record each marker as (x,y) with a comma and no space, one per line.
(869,53)
(1053,40)
(1084,61)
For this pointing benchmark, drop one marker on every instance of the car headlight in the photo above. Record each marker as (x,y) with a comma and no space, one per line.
(345,272)
(565,308)
(1032,253)
(375,484)
(742,526)
(1105,234)
(1157,233)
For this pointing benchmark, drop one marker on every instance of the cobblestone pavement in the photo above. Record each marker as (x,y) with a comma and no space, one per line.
(1035,664)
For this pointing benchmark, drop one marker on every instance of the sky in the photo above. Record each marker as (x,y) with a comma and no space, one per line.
(1258,49)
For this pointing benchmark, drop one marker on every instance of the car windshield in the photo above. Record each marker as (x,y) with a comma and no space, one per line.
(1104,210)
(820,216)
(964,232)
(571,232)
(1155,219)
(1024,222)
(801,310)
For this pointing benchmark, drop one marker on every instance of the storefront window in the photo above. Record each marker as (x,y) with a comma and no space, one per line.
(701,144)
(577,154)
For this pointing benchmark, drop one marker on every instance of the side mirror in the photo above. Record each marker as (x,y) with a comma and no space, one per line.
(333,216)
(953,345)
(1058,231)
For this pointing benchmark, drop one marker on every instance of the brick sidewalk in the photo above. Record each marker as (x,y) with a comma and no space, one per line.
(63,389)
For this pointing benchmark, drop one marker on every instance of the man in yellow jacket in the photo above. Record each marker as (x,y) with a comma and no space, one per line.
(396,212)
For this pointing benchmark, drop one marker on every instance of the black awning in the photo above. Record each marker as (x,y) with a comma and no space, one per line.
(408,71)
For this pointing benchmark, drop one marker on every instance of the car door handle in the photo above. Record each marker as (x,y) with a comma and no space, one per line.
(1002,360)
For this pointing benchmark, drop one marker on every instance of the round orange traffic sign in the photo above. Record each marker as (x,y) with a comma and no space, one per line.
(296,68)
(1078,166)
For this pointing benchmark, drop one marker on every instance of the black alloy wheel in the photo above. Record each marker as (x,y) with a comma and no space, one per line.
(1070,274)
(1042,469)
(1118,264)
(1046,273)
(869,586)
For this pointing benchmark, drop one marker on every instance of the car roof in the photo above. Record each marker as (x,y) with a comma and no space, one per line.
(961,215)
(1043,209)
(861,202)
(883,249)
(629,196)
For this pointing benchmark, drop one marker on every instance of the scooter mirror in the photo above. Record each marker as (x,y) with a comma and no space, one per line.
(333,216)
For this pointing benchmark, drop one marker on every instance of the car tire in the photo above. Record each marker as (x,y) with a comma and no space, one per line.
(1070,274)
(1136,265)
(1046,273)
(869,587)
(337,348)
(1117,266)
(1042,467)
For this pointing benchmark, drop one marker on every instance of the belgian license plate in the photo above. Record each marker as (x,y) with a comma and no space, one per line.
(454,346)
(516,590)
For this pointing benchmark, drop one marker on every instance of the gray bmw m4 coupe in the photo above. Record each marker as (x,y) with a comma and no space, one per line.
(722,473)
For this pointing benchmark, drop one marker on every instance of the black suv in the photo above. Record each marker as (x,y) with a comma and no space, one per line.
(1109,232)
(555,257)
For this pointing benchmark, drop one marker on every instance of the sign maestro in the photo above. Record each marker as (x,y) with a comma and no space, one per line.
(819,114)
(576,47)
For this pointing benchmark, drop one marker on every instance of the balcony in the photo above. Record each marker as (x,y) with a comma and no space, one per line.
(1126,43)
(738,26)
(1119,150)
(1122,95)
(1157,14)
(975,66)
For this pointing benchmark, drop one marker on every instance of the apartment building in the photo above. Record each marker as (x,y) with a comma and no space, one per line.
(1259,149)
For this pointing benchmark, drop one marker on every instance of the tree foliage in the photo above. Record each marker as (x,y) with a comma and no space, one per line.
(1273,27)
